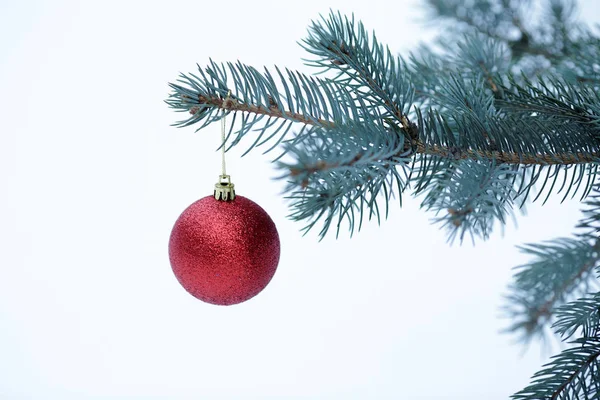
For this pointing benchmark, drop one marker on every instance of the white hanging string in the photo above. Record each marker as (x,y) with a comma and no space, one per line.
(223,170)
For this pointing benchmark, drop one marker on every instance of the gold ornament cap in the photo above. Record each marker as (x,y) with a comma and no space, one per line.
(224,189)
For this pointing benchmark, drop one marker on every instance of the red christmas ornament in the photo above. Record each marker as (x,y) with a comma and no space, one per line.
(224,249)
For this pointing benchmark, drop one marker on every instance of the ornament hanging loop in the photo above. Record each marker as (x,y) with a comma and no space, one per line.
(224,189)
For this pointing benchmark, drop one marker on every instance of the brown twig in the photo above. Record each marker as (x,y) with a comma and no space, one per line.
(420,147)
(489,78)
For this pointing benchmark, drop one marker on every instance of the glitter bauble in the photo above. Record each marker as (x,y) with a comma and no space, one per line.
(224,252)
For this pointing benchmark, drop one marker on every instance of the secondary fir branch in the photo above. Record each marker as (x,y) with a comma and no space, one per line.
(499,157)
(574,374)
(546,309)
(343,56)
(520,47)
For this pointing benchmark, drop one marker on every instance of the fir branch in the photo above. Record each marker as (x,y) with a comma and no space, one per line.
(294,98)
(374,89)
(590,224)
(364,65)
(546,309)
(329,179)
(561,270)
(191,103)
(488,18)
(573,374)
(500,20)
(554,99)
(474,195)
(581,315)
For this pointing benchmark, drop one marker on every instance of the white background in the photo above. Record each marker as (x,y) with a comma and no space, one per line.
(93,177)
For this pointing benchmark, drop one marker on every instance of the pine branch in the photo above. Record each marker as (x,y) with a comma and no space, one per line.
(294,98)
(561,270)
(218,103)
(591,222)
(582,315)
(364,65)
(503,21)
(471,208)
(373,89)
(343,182)
(381,83)
(573,374)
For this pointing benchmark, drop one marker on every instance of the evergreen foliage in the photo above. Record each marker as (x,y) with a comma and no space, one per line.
(503,111)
